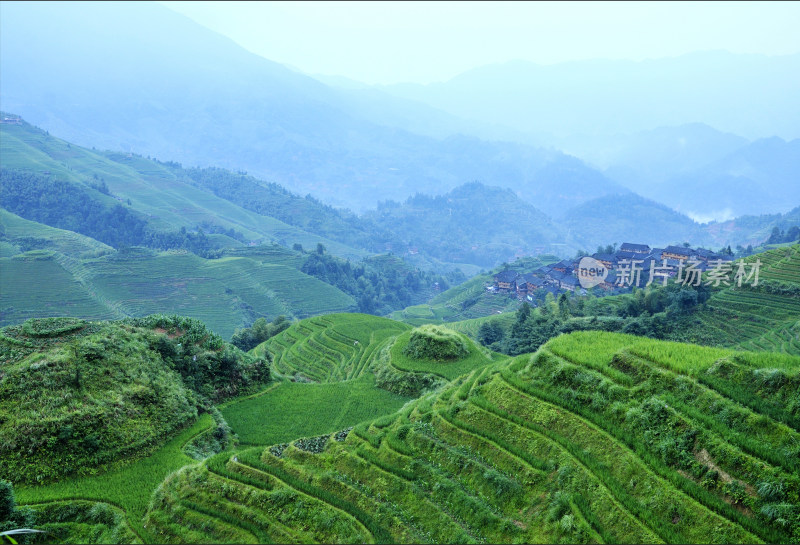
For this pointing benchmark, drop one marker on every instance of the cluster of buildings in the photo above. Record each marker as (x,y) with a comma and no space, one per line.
(11,120)
(631,265)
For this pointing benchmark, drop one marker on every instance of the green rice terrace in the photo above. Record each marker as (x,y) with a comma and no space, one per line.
(357,434)
(767,318)
(220,292)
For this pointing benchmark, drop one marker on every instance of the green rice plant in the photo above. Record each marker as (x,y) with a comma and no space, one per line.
(128,487)
(642,450)
(294,410)
(380,534)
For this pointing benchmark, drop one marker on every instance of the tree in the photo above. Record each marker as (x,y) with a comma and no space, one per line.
(320,248)
(563,306)
(250,337)
(11,516)
(490,332)
(775,236)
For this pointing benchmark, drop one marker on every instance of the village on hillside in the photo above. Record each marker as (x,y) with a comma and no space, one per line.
(632,265)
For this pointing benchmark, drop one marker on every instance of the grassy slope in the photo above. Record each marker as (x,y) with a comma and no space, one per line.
(742,318)
(152,188)
(295,409)
(128,487)
(597,437)
(19,233)
(224,293)
(470,299)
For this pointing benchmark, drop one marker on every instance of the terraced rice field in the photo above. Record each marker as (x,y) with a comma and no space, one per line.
(224,293)
(597,437)
(296,409)
(21,232)
(34,284)
(127,489)
(330,348)
(752,320)
(152,188)
(781,264)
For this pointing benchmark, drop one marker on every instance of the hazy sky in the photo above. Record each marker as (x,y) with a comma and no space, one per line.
(389,42)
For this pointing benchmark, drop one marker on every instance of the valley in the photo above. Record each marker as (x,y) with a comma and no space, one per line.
(286,272)
(553,421)
(542,447)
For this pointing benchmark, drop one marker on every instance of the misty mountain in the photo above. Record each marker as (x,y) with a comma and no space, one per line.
(759,176)
(637,159)
(630,218)
(753,230)
(473,223)
(140,78)
(750,95)
(674,165)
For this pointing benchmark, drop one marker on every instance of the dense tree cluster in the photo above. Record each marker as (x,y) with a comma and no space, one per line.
(270,199)
(379,285)
(208,365)
(69,206)
(778,235)
(650,312)
(261,330)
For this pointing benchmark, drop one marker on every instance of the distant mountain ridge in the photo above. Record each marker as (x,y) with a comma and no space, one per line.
(621,218)
(473,223)
(141,78)
(611,96)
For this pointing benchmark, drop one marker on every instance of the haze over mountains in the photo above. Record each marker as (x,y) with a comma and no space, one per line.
(144,79)
(141,78)
(598,97)
(243,304)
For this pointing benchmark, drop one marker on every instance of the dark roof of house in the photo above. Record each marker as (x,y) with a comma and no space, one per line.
(627,255)
(569,280)
(506,276)
(679,250)
(605,257)
(531,278)
(556,275)
(565,263)
(639,248)
(696,264)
